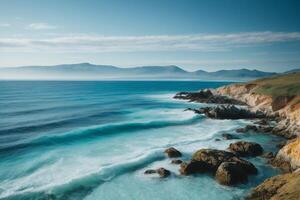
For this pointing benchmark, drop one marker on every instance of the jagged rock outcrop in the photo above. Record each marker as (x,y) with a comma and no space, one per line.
(229,112)
(206,96)
(243,148)
(282,187)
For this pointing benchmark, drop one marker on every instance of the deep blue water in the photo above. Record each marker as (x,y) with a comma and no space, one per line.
(93,140)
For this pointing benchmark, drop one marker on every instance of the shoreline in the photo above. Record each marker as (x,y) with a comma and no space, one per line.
(285,121)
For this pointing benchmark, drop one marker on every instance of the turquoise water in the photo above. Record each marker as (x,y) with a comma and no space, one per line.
(93,140)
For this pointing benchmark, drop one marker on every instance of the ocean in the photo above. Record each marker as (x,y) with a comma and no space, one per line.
(93,140)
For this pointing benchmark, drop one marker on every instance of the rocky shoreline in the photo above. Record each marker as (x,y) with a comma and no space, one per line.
(229,167)
(274,117)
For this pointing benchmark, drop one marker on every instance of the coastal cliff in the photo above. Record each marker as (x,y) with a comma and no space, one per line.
(277,97)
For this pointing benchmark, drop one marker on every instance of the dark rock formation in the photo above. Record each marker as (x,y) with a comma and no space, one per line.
(194,167)
(229,112)
(228,136)
(214,158)
(206,96)
(243,148)
(173,153)
(150,171)
(231,173)
(163,173)
(176,162)
(281,187)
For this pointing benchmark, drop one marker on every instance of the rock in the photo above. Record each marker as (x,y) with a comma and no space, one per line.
(172,152)
(206,96)
(280,163)
(243,148)
(251,128)
(267,155)
(280,102)
(288,157)
(281,187)
(231,173)
(240,130)
(247,129)
(150,171)
(213,159)
(262,122)
(163,173)
(217,139)
(177,162)
(194,167)
(265,129)
(230,112)
(228,136)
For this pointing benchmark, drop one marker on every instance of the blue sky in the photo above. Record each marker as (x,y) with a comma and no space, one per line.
(193,34)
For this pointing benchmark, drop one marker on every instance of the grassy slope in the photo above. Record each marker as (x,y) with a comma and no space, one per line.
(282,85)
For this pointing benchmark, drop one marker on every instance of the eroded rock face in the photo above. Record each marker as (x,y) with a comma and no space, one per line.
(231,173)
(280,102)
(243,148)
(173,153)
(282,187)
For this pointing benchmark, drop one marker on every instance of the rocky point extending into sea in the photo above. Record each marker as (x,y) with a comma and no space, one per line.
(279,115)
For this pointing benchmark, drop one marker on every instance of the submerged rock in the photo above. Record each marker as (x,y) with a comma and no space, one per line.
(172,152)
(231,173)
(163,173)
(177,162)
(243,148)
(150,171)
(228,136)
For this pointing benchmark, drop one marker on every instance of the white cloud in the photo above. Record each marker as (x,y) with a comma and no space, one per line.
(96,43)
(41,26)
(5,25)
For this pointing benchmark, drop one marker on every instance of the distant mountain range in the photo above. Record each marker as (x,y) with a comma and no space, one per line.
(87,71)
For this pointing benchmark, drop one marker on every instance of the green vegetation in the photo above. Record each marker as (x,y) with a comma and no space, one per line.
(282,85)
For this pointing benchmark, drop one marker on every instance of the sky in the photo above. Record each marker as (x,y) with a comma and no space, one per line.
(193,34)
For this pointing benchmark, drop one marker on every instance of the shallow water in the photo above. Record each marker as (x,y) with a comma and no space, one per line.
(93,140)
